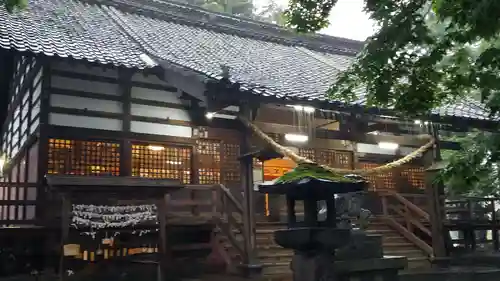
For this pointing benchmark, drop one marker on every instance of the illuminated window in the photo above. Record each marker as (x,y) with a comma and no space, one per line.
(383,181)
(209,153)
(415,176)
(158,161)
(336,159)
(308,153)
(86,158)
(231,163)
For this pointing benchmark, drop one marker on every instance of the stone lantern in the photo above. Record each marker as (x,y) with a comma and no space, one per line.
(315,242)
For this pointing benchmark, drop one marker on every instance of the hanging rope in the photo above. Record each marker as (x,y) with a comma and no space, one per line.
(302,160)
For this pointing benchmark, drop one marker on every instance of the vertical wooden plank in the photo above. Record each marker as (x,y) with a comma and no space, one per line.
(250,262)
(65,221)
(434,202)
(165,255)
(41,213)
(124,90)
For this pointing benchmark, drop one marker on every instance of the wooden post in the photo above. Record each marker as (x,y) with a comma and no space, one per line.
(249,266)
(65,221)
(434,199)
(165,260)
(124,90)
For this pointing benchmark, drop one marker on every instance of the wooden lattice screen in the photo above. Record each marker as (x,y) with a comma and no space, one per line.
(309,153)
(334,158)
(88,158)
(159,161)
(384,181)
(392,180)
(231,164)
(209,161)
(415,176)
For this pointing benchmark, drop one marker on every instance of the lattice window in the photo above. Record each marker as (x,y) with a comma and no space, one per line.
(382,181)
(309,153)
(158,161)
(415,176)
(89,158)
(336,159)
(209,153)
(231,164)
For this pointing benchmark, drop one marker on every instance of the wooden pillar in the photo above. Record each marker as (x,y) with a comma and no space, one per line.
(434,198)
(165,253)
(65,221)
(124,90)
(42,211)
(250,266)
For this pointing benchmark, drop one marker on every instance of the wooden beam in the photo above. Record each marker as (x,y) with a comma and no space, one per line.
(389,128)
(187,81)
(409,141)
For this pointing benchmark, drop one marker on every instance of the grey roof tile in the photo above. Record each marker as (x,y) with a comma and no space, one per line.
(68,28)
(263,58)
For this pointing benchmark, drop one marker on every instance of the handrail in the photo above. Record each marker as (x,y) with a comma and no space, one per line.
(231,197)
(412,215)
(410,236)
(227,212)
(410,205)
(230,225)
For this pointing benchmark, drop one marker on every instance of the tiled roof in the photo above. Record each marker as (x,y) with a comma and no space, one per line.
(69,28)
(263,58)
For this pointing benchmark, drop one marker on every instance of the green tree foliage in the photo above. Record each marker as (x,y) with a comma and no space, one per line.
(11,5)
(308,15)
(243,8)
(427,53)
(272,13)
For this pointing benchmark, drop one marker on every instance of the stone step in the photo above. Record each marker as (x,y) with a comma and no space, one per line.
(419,263)
(276,268)
(415,253)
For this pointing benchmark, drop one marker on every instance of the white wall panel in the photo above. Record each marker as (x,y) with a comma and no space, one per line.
(36,92)
(155,95)
(161,129)
(34,124)
(36,109)
(85,103)
(65,83)
(85,69)
(159,112)
(152,79)
(38,77)
(85,122)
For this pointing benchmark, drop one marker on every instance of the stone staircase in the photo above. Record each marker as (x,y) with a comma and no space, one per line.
(276,260)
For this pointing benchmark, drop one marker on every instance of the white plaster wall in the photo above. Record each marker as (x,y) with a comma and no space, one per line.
(161,129)
(84,85)
(155,95)
(159,112)
(86,103)
(85,69)
(85,122)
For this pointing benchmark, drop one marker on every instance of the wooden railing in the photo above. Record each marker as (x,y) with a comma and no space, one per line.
(476,220)
(230,223)
(410,219)
(225,211)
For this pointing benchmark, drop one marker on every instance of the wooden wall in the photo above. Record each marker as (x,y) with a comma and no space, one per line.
(103,98)
(18,189)
(24,105)
(102,120)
